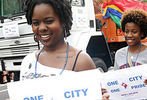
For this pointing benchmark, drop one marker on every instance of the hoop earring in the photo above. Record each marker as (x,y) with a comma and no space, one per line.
(35,38)
(143,36)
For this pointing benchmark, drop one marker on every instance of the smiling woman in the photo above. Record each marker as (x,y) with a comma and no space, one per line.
(51,21)
(47,26)
(134,26)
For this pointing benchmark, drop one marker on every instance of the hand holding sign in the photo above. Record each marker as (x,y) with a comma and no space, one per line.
(145,81)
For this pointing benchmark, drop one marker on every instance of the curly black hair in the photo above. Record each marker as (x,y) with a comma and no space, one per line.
(61,7)
(138,17)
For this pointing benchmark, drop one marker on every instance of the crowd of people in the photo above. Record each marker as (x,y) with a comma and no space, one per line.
(51,21)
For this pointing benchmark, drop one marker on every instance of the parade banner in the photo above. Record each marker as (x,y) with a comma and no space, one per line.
(70,86)
(126,84)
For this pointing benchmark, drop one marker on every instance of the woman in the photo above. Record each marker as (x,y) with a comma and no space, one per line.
(134,26)
(51,21)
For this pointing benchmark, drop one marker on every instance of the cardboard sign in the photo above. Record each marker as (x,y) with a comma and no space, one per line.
(126,84)
(71,86)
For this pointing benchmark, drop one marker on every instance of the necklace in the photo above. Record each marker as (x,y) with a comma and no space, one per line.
(136,56)
(63,66)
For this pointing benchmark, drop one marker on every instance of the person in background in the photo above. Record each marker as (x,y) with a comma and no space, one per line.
(7,77)
(134,26)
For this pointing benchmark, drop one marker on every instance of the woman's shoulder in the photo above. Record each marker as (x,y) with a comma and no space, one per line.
(79,53)
(84,61)
(144,49)
(121,50)
(30,56)
(28,60)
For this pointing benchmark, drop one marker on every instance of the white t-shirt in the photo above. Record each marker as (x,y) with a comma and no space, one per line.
(28,69)
(120,58)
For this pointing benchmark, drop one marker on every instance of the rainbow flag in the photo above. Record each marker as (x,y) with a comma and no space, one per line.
(115,8)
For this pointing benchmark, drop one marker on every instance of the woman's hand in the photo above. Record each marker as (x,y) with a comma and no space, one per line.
(104,91)
(104,97)
(145,81)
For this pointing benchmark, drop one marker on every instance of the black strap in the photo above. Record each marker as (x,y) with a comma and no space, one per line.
(73,68)
(3,65)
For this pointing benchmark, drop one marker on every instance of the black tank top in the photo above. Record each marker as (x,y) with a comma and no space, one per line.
(73,68)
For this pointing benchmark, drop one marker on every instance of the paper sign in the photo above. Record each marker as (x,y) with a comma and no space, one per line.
(71,86)
(10,29)
(126,84)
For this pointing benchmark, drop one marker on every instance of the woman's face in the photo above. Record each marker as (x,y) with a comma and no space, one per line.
(46,25)
(132,34)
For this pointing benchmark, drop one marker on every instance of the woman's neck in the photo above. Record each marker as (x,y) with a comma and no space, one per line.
(135,48)
(56,48)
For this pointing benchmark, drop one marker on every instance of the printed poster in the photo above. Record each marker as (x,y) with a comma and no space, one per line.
(71,86)
(126,84)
